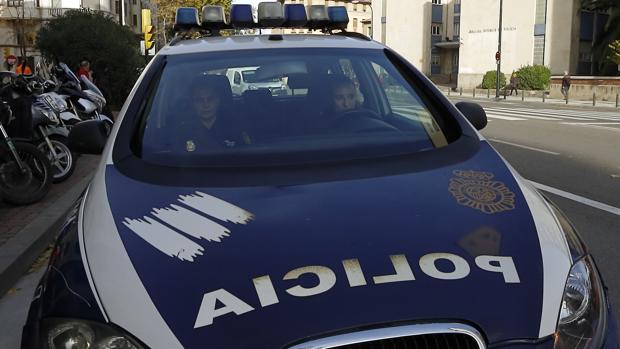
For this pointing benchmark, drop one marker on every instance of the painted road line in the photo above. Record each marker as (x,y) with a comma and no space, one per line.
(520,112)
(616,129)
(509,118)
(564,113)
(524,146)
(521,115)
(589,202)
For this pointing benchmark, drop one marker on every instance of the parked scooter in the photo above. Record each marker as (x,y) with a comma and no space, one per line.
(51,135)
(25,172)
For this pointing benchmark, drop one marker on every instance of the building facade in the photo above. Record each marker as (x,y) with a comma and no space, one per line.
(20,21)
(359,13)
(455,42)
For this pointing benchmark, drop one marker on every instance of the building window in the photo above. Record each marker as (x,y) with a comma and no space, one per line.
(355,24)
(436,29)
(134,2)
(435,60)
(436,2)
(134,20)
(355,7)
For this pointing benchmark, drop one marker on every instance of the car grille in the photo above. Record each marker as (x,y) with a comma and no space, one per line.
(426,341)
(417,336)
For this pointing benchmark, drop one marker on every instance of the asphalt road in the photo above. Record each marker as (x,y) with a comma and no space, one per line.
(576,151)
(573,150)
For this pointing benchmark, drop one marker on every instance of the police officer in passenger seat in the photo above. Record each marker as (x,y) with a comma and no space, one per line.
(210,124)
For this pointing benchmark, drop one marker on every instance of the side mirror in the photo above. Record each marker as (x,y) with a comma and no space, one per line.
(88,137)
(474,113)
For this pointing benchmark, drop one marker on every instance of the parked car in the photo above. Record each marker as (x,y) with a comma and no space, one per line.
(349,213)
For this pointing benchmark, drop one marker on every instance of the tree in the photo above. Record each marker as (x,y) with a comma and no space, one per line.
(166,10)
(111,48)
(614,55)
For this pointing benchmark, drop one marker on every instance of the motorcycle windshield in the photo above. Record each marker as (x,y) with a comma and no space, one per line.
(90,86)
(69,74)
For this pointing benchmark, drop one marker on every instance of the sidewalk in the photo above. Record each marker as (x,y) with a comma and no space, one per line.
(537,98)
(25,231)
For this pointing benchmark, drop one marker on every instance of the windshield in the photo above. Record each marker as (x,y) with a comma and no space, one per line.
(329,105)
(90,86)
(68,73)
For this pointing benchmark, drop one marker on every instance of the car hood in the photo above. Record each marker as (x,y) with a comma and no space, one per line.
(266,266)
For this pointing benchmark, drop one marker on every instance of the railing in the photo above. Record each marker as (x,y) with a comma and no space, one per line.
(42,13)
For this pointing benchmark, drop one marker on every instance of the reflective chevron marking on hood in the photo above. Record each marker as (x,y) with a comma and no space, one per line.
(164,230)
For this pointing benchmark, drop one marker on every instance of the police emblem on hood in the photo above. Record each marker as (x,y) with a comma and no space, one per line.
(168,229)
(478,191)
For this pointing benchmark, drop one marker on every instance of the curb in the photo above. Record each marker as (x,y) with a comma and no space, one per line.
(18,254)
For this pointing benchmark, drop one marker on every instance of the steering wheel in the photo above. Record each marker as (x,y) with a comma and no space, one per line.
(361,120)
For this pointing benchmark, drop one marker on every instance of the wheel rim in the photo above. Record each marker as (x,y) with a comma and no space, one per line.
(61,165)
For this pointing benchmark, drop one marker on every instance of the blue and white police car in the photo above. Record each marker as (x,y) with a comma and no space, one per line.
(360,209)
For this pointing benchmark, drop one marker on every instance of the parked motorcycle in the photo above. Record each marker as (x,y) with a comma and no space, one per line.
(85,99)
(25,172)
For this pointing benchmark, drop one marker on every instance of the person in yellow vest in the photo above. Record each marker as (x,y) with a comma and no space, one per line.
(23,68)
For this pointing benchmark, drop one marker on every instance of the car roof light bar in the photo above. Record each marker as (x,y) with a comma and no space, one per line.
(213,17)
(270,15)
(186,18)
(295,16)
(241,16)
(338,17)
(318,18)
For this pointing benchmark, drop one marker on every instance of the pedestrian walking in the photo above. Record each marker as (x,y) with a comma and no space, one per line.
(565,84)
(514,80)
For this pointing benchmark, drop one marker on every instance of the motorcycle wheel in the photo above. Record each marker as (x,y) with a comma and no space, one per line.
(21,188)
(63,167)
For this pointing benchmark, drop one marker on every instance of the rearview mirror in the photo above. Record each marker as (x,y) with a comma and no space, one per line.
(474,113)
(88,137)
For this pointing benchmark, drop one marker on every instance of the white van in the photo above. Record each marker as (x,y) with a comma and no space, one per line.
(243,79)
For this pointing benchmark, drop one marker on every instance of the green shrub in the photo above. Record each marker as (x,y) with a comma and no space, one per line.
(490,79)
(533,77)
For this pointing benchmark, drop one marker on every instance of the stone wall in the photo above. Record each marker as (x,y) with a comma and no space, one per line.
(583,88)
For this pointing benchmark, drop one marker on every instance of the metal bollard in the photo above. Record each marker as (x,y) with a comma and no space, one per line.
(594,99)
(474,93)
(522,95)
(449,91)
(461,92)
(617,100)
(543,93)
(566,97)
(488,93)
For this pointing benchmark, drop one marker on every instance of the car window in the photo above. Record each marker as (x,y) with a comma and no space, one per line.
(292,106)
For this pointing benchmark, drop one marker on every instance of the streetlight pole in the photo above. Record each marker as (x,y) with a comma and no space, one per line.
(499,49)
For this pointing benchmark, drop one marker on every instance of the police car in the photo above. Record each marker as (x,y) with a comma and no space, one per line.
(360,210)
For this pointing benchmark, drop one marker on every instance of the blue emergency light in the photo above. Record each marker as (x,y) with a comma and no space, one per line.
(213,17)
(186,18)
(318,18)
(241,16)
(338,17)
(270,15)
(295,16)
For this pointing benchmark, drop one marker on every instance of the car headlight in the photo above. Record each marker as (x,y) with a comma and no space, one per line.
(582,319)
(81,334)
